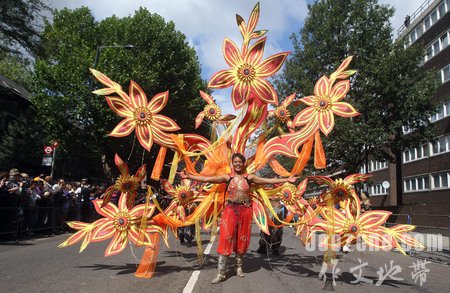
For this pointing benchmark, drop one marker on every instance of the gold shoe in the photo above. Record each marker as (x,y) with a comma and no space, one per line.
(219,278)
(239,271)
(221,269)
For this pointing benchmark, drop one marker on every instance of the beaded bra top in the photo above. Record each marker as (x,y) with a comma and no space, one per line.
(238,188)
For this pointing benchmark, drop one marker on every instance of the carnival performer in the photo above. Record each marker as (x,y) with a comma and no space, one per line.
(236,221)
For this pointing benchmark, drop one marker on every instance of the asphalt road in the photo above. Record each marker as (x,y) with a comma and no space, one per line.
(39,266)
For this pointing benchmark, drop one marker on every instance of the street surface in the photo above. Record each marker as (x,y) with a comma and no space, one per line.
(39,266)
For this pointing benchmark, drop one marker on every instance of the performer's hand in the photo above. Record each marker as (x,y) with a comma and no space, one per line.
(292,179)
(184,175)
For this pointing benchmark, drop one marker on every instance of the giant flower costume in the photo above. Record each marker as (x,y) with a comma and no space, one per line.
(251,93)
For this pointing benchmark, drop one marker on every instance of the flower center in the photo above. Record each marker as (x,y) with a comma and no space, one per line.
(353,228)
(283,114)
(142,116)
(323,103)
(286,195)
(126,184)
(183,194)
(246,73)
(212,112)
(314,206)
(122,221)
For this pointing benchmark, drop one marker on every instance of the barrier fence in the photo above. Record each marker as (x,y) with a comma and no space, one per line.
(424,221)
(23,221)
(20,221)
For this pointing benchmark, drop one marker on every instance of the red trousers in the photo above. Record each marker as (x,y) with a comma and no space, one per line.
(235,229)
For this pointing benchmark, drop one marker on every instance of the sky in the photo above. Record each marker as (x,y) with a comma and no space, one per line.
(207,22)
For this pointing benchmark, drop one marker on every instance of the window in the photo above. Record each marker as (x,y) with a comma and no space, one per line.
(434,16)
(406,157)
(378,189)
(444,40)
(436,46)
(417,153)
(373,166)
(419,30)
(429,53)
(441,9)
(417,183)
(427,22)
(412,36)
(440,180)
(443,111)
(440,145)
(445,73)
(440,113)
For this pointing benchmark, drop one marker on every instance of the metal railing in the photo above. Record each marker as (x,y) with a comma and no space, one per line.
(409,219)
(416,13)
(20,221)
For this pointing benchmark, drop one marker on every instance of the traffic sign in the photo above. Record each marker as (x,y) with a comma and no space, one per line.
(48,150)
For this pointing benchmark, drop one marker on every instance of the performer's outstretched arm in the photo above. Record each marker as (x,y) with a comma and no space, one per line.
(208,179)
(260,180)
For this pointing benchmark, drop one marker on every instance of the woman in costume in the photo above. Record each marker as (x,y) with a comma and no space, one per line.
(236,222)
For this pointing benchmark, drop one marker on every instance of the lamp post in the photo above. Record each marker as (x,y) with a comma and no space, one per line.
(97,56)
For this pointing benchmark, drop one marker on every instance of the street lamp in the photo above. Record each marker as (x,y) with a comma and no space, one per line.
(97,56)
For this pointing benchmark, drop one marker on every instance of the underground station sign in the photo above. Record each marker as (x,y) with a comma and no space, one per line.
(48,156)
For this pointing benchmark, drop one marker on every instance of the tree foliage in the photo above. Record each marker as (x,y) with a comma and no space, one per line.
(21,146)
(162,60)
(19,25)
(389,90)
(17,69)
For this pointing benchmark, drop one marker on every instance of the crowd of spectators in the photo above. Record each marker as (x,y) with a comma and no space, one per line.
(30,205)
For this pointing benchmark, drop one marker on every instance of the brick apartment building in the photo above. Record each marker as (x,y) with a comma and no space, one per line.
(426,168)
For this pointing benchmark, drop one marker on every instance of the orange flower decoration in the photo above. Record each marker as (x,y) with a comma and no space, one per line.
(339,189)
(211,111)
(351,225)
(326,101)
(142,117)
(292,197)
(281,113)
(120,223)
(308,218)
(247,73)
(315,203)
(183,196)
(125,183)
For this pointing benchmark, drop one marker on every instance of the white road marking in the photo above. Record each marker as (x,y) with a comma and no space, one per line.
(194,277)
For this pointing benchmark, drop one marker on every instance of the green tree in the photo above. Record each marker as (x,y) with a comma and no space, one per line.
(389,90)
(21,145)
(17,69)
(19,25)
(162,60)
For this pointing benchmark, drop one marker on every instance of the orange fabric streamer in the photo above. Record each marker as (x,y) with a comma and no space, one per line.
(159,163)
(277,168)
(305,154)
(320,161)
(147,265)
